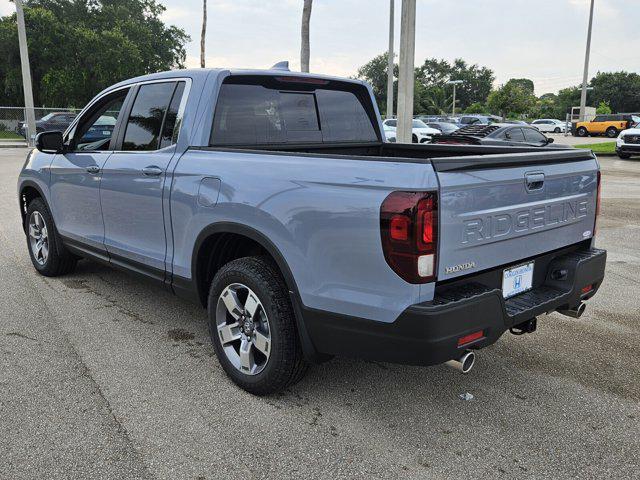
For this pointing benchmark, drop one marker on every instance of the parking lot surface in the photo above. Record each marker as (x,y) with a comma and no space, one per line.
(105,376)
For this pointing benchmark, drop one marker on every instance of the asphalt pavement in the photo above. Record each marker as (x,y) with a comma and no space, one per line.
(106,376)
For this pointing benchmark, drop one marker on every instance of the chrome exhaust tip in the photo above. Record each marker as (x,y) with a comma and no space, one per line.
(463,364)
(574,312)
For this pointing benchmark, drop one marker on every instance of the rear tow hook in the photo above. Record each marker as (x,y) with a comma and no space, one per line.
(526,327)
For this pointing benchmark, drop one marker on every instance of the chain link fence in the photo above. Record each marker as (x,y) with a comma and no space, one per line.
(12,121)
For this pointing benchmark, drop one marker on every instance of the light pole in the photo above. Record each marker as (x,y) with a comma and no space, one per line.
(405,72)
(26,75)
(390,63)
(583,95)
(454,83)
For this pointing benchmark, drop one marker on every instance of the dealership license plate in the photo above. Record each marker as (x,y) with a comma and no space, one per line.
(517,280)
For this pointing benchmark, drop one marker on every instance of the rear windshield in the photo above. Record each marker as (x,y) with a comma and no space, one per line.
(271,112)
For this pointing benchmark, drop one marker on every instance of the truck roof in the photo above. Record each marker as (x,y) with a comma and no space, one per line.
(204,72)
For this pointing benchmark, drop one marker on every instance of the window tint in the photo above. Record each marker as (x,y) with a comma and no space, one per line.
(145,120)
(170,130)
(344,119)
(515,135)
(533,136)
(255,114)
(599,118)
(391,123)
(95,128)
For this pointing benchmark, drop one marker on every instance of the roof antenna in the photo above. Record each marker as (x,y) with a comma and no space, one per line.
(281,66)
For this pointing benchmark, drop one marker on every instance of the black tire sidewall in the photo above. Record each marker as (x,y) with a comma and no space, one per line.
(59,261)
(556,130)
(582,132)
(39,206)
(614,132)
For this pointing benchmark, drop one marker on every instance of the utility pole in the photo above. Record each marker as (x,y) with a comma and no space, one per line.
(390,63)
(26,75)
(583,94)
(203,33)
(406,72)
(454,83)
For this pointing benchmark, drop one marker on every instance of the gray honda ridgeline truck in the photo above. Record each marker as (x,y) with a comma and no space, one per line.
(272,199)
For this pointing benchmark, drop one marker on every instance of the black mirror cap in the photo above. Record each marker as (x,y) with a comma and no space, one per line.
(50,142)
(549,140)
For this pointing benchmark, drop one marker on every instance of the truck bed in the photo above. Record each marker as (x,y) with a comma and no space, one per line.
(442,157)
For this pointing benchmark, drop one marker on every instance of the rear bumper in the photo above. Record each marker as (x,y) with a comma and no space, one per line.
(428,333)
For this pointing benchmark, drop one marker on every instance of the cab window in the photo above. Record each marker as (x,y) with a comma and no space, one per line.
(94,130)
(142,131)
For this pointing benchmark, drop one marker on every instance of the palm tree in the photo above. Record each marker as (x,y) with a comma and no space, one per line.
(304,49)
(203,33)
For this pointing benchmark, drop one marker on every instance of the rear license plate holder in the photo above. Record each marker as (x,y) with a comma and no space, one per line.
(518,279)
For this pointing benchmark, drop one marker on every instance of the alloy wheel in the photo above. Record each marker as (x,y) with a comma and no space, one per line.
(38,238)
(243,329)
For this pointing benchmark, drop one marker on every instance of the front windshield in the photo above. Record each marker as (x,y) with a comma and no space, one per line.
(635,119)
(47,116)
(419,124)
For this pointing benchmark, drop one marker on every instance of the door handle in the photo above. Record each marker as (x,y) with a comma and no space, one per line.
(93,169)
(534,181)
(152,171)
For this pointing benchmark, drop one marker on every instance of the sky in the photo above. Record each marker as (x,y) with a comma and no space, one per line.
(543,40)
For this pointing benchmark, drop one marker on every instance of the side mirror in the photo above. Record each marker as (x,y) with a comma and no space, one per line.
(50,142)
(549,140)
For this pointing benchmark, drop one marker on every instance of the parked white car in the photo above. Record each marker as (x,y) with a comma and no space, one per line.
(550,125)
(628,142)
(421,132)
(389,133)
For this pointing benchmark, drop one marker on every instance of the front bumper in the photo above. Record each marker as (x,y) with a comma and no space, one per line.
(632,149)
(428,333)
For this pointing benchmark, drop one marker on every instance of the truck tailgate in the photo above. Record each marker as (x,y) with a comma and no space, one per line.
(501,209)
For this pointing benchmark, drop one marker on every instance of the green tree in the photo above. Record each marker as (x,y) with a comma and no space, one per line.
(78,48)
(476,80)
(510,100)
(375,73)
(545,107)
(603,108)
(524,83)
(477,107)
(432,101)
(620,89)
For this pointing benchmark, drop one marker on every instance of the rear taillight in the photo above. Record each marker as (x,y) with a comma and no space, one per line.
(409,229)
(595,222)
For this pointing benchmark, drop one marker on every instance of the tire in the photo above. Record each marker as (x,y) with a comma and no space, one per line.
(414,138)
(582,132)
(239,283)
(48,255)
(624,156)
(612,132)
(556,130)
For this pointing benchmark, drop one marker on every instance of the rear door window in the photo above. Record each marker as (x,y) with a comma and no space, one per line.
(515,135)
(255,114)
(147,115)
(533,136)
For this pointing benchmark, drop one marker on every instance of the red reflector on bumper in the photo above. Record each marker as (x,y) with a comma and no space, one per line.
(470,338)
(586,289)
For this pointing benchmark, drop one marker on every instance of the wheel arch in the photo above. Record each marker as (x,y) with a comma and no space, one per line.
(202,256)
(29,190)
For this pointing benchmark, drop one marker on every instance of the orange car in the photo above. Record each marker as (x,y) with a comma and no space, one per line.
(609,125)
